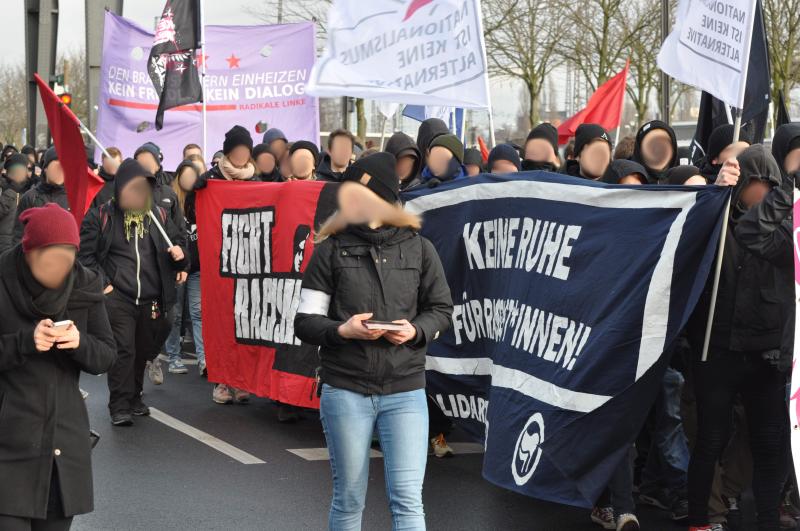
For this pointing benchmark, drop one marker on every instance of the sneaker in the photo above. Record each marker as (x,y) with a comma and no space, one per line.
(440,447)
(177,367)
(287,414)
(154,372)
(679,509)
(710,527)
(84,394)
(604,517)
(139,409)
(627,522)
(222,394)
(121,418)
(241,396)
(201,368)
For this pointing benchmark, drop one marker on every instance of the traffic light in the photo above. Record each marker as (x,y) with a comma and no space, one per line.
(66,99)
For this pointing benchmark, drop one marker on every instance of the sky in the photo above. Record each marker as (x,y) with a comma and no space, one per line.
(72,36)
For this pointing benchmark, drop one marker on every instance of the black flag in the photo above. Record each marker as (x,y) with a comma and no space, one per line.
(756,96)
(172,65)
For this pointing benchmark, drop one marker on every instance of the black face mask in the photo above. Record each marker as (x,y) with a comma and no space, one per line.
(453,170)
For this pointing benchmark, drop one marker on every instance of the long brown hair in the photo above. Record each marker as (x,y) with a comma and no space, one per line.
(176,185)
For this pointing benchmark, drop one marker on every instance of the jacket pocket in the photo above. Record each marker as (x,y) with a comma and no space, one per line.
(768,315)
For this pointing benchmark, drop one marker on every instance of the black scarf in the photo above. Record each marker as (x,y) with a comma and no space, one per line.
(42,302)
(378,236)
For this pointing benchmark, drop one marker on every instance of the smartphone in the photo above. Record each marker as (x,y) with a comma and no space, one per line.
(62,325)
(383,325)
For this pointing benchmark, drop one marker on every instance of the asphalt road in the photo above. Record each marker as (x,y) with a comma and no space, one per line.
(153,476)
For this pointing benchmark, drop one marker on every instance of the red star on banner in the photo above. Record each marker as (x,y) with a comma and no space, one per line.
(233,61)
(202,58)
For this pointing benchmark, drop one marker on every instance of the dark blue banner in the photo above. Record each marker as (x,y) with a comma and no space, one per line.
(566,294)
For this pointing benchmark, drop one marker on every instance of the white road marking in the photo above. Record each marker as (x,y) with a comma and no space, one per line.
(205,438)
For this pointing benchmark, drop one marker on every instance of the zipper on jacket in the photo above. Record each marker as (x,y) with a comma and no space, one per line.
(138,268)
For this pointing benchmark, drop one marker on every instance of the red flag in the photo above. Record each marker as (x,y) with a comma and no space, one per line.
(484,150)
(604,107)
(81,182)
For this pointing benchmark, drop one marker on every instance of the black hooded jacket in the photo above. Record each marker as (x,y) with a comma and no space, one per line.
(785,135)
(325,170)
(533,165)
(38,196)
(655,176)
(400,144)
(10,197)
(43,420)
(750,307)
(107,191)
(106,250)
(392,272)
(428,130)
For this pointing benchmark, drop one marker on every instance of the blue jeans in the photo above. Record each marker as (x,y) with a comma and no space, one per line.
(190,289)
(668,459)
(349,420)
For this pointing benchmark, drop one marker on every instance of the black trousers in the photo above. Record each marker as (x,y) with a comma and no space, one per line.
(139,338)
(763,392)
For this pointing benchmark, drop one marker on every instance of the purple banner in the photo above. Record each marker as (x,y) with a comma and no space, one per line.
(256,78)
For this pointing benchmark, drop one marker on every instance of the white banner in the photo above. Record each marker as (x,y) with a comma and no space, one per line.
(418,52)
(709,47)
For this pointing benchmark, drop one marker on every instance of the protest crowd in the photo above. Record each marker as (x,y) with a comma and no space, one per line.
(121,293)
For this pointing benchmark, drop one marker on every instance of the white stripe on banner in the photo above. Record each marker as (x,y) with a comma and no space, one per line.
(656,309)
(519,381)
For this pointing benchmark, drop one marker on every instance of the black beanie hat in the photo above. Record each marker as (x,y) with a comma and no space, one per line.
(722,137)
(473,156)
(547,132)
(452,144)
(260,149)
(153,149)
(504,152)
(237,136)
(680,174)
(17,159)
(586,133)
(622,168)
(49,156)
(305,144)
(428,130)
(381,167)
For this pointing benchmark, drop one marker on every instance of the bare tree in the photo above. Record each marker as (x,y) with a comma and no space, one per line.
(645,76)
(782,24)
(522,38)
(13,119)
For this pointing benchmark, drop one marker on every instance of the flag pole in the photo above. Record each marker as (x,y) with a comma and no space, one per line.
(486,76)
(383,130)
(737,127)
(203,55)
(622,105)
(108,156)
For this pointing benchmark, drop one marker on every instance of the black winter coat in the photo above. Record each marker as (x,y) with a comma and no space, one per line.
(392,273)
(38,196)
(10,198)
(97,231)
(766,231)
(749,315)
(43,418)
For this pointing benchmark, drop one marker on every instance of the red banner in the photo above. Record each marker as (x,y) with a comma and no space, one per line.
(255,240)
(81,182)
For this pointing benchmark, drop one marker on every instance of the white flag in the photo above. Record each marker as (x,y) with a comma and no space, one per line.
(419,52)
(709,47)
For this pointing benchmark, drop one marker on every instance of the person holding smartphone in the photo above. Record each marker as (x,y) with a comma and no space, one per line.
(54,327)
(373,379)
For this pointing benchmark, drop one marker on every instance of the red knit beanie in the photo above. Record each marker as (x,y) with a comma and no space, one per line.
(48,225)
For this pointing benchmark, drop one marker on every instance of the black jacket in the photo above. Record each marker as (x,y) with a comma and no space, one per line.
(325,171)
(38,196)
(43,418)
(98,230)
(393,273)
(10,197)
(766,231)
(750,301)
(655,176)
(107,191)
